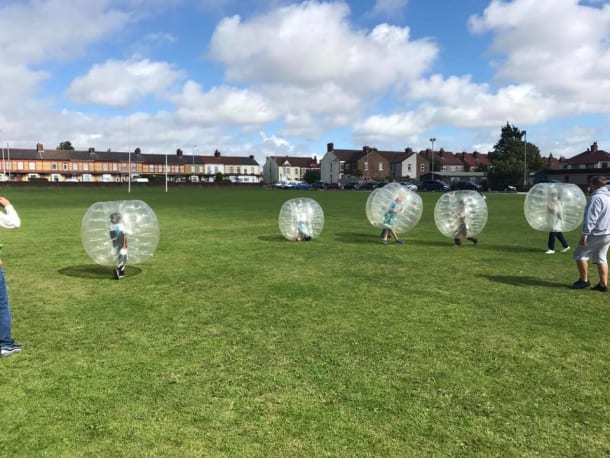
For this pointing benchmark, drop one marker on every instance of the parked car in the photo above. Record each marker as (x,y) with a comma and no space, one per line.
(368,185)
(303,185)
(434,185)
(319,185)
(332,186)
(410,186)
(465,185)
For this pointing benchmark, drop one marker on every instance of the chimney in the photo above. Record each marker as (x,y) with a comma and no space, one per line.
(594,147)
(91,149)
(39,147)
(137,150)
(216,153)
(251,156)
(179,152)
(330,147)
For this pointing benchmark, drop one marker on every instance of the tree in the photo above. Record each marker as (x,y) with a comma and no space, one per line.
(508,155)
(311,176)
(65,146)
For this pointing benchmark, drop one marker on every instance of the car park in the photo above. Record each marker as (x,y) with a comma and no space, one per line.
(465,185)
(410,186)
(434,185)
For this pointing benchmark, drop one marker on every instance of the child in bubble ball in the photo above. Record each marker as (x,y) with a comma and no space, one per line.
(118,236)
(389,220)
(460,212)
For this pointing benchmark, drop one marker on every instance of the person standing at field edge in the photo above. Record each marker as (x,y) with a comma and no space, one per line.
(595,238)
(9,219)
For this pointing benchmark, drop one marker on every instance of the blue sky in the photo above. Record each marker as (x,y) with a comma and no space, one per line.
(282,77)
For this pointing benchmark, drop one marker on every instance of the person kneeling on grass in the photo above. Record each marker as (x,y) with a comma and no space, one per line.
(595,238)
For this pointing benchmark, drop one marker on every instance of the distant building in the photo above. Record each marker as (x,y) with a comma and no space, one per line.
(22,164)
(279,169)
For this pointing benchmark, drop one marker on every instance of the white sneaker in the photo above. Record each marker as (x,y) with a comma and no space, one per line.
(565,249)
(549,252)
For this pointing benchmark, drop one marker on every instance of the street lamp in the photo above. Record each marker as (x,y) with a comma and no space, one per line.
(524,159)
(432,140)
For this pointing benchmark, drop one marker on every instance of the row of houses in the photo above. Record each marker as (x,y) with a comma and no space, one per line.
(22,164)
(342,166)
(338,166)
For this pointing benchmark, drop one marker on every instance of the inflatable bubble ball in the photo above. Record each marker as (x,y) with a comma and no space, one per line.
(460,214)
(394,206)
(554,207)
(120,230)
(301,219)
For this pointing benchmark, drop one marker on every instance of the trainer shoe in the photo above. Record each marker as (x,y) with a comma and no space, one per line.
(580,284)
(385,242)
(402,242)
(599,287)
(549,252)
(565,249)
(10,350)
(116,274)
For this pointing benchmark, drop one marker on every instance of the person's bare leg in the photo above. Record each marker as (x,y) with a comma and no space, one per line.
(583,269)
(603,274)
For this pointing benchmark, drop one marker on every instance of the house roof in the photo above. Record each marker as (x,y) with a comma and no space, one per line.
(591,156)
(296,161)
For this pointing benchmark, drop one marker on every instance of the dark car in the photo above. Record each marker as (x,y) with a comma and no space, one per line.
(465,185)
(319,185)
(434,185)
(368,185)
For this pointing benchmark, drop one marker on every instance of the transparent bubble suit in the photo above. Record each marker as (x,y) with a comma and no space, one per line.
(301,215)
(459,214)
(140,225)
(554,207)
(410,208)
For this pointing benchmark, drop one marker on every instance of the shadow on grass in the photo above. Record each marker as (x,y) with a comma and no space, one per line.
(480,246)
(524,280)
(93,271)
(273,238)
(358,237)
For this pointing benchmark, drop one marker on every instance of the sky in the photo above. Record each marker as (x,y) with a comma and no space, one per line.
(275,77)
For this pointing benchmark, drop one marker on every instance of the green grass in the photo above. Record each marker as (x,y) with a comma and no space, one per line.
(232,341)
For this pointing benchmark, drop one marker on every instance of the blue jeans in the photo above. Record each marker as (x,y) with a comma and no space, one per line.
(560,237)
(5,314)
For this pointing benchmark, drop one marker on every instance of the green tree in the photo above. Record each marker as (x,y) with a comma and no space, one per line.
(507,166)
(311,176)
(65,146)
(218,178)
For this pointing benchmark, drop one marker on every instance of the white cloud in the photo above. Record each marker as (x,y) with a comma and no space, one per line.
(313,43)
(561,47)
(38,31)
(222,105)
(121,83)
(389,8)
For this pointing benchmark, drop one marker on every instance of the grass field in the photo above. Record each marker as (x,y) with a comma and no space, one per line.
(232,341)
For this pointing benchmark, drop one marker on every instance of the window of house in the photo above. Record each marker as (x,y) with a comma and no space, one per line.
(408,167)
(231,169)
(31,165)
(381,166)
(238,169)
(9,165)
(115,167)
(75,166)
(366,166)
(151,168)
(421,167)
(53,165)
(105,166)
(64,166)
(86,166)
